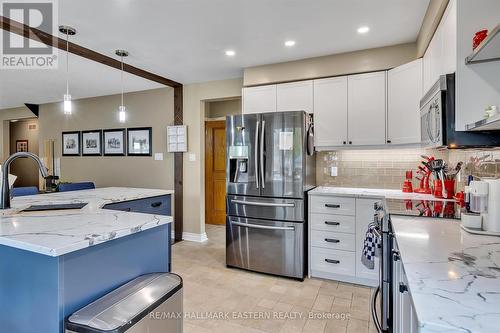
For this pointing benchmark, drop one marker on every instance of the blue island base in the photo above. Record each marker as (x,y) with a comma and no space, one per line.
(37,292)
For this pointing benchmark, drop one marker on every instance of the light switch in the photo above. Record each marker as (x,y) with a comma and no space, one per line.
(158,156)
(334,171)
(192,157)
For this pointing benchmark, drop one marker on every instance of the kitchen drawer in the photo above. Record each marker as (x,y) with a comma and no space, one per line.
(333,261)
(336,223)
(333,240)
(333,205)
(155,205)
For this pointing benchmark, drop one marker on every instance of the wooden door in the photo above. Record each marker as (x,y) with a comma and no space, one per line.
(215,172)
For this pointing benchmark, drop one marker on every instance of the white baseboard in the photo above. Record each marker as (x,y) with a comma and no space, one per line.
(192,237)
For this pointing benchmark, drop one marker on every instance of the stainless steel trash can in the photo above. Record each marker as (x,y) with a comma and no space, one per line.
(150,303)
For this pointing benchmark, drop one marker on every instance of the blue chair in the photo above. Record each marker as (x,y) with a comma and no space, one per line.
(22,191)
(76,186)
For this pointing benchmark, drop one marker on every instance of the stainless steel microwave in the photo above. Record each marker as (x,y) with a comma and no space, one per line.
(437,120)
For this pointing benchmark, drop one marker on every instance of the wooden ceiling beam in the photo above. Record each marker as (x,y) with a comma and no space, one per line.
(60,43)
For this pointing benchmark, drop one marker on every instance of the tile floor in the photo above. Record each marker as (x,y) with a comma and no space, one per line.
(218,299)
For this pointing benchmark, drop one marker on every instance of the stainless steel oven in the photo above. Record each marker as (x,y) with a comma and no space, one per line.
(431,117)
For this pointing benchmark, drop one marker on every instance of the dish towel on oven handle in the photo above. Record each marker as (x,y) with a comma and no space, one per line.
(371,246)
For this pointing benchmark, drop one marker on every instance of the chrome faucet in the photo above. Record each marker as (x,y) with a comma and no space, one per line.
(5,190)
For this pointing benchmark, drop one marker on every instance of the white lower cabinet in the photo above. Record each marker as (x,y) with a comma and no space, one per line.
(404,316)
(337,227)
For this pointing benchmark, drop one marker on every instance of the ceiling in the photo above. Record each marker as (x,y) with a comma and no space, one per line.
(185,40)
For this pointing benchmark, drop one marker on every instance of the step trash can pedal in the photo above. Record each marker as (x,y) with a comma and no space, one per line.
(150,303)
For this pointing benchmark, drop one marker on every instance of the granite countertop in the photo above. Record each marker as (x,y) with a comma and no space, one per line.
(453,276)
(55,233)
(370,193)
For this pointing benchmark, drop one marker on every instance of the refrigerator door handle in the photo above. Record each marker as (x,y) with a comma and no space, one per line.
(257,226)
(257,174)
(263,204)
(262,166)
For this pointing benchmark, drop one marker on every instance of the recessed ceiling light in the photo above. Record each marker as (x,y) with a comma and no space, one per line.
(290,43)
(363,30)
(230,53)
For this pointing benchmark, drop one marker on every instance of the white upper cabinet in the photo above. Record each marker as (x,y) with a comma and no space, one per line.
(449,39)
(295,96)
(404,91)
(367,109)
(441,55)
(259,99)
(330,111)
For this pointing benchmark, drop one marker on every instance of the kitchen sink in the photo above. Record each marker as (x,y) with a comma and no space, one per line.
(41,208)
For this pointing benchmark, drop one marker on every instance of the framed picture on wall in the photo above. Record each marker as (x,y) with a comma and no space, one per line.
(92,143)
(71,143)
(21,146)
(114,142)
(139,141)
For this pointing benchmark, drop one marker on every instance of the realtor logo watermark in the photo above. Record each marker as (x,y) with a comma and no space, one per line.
(18,52)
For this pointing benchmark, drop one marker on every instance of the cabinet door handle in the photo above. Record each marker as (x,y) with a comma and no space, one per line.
(156,204)
(332,240)
(395,255)
(350,142)
(332,261)
(403,288)
(345,142)
(389,141)
(332,206)
(332,223)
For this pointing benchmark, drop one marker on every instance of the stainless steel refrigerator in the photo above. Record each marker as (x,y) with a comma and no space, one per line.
(270,168)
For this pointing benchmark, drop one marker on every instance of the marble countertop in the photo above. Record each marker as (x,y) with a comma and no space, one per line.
(453,276)
(55,233)
(370,193)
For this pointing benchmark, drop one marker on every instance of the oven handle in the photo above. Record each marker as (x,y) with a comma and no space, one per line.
(263,204)
(257,226)
(373,307)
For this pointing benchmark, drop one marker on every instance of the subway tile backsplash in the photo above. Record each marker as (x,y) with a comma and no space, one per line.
(386,168)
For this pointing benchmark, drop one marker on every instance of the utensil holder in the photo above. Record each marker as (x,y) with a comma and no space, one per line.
(449,184)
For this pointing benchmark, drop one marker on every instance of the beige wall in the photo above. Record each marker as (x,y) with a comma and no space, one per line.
(220,109)
(151,108)
(337,64)
(25,169)
(195,98)
(431,21)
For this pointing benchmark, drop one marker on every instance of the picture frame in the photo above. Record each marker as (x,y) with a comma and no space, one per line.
(139,141)
(92,143)
(22,146)
(71,143)
(114,142)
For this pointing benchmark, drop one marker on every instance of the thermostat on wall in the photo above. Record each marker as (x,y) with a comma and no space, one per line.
(177,139)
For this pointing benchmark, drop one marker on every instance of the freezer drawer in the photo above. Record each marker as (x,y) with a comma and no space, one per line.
(266,208)
(265,246)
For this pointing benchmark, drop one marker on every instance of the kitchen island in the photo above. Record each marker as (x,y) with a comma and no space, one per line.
(453,277)
(54,262)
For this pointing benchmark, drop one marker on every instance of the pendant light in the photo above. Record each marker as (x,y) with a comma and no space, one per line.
(68,31)
(122,110)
